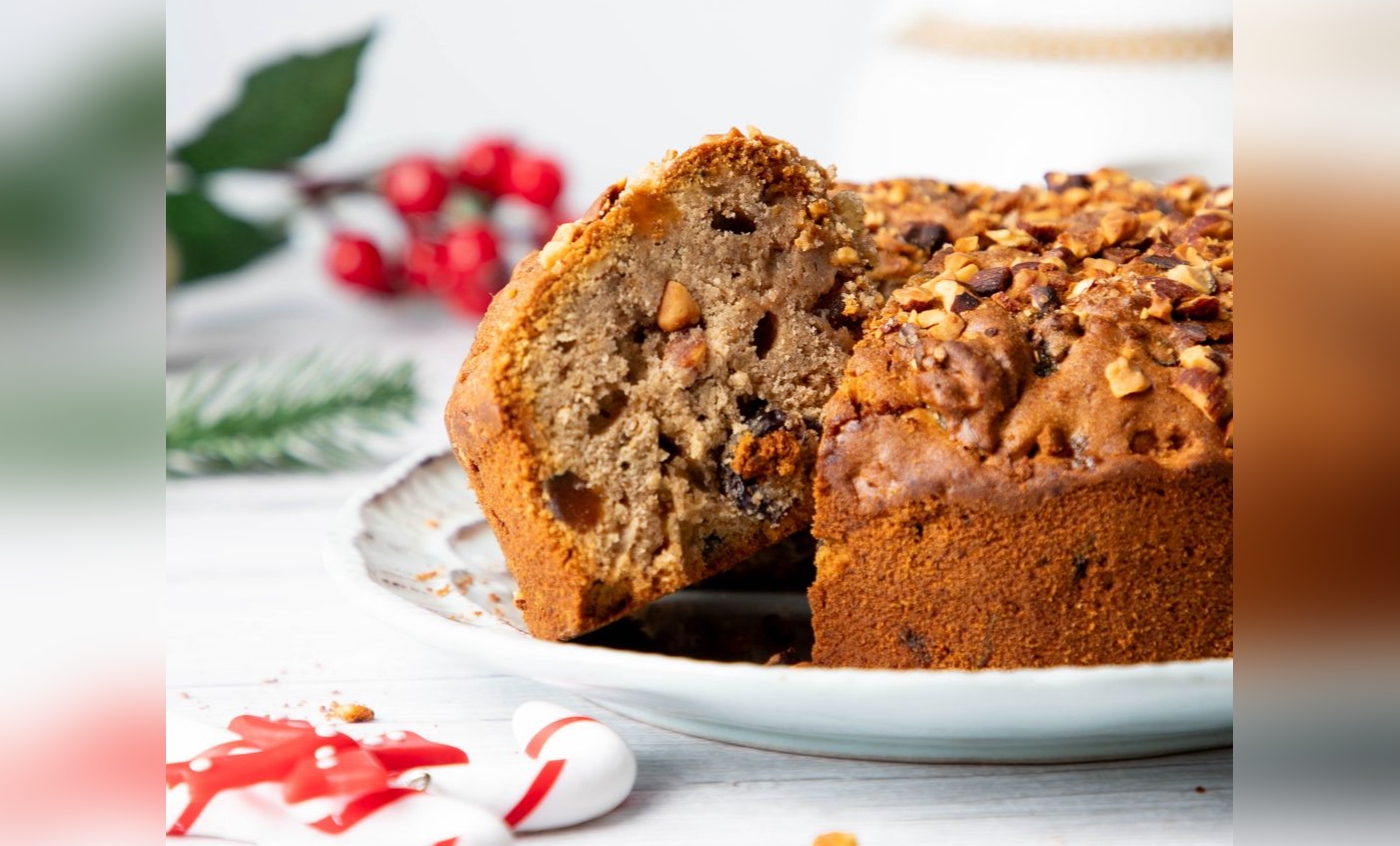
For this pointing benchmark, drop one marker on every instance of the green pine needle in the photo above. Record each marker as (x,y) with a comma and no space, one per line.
(314,412)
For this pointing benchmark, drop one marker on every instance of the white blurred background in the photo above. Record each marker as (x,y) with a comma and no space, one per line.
(612,84)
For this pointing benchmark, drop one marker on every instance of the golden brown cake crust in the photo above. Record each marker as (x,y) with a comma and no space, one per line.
(1030,459)
(724,271)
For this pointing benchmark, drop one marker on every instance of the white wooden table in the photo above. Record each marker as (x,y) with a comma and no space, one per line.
(254,626)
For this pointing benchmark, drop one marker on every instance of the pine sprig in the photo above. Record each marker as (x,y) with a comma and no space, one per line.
(314,412)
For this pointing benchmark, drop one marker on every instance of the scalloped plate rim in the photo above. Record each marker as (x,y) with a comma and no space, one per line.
(594,671)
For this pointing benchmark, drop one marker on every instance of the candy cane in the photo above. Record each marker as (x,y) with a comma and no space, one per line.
(573,769)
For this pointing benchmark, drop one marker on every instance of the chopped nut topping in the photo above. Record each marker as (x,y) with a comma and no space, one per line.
(966,272)
(990,281)
(913,298)
(1125,378)
(1104,266)
(1205,390)
(1199,357)
(1043,298)
(1162,262)
(1084,285)
(966,244)
(1199,308)
(1199,278)
(678,308)
(1117,225)
(1170,288)
(551,252)
(1160,309)
(943,325)
(1076,196)
(845,257)
(948,290)
(967,302)
(957,261)
(1212,224)
(1081,242)
(1011,237)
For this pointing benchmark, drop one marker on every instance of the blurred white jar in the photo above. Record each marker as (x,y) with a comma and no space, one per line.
(1003,91)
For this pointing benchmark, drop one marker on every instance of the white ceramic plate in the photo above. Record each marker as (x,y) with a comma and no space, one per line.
(414,552)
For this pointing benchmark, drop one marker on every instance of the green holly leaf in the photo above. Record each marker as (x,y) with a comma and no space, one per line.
(286,110)
(212,241)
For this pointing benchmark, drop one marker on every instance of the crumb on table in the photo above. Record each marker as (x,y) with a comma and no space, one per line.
(835,838)
(349,712)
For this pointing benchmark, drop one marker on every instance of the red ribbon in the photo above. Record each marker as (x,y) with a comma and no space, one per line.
(309,763)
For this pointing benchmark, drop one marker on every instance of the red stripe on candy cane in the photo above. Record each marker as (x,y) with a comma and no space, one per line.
(536,744)
(359,809)
(451,841)
(539,788)
(548,774)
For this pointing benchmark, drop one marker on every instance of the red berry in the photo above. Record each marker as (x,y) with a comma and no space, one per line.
(468,248)
(423,264)
(536,180)
(471,295)
(485,166)
(357,261)
(471,267)
(414,185)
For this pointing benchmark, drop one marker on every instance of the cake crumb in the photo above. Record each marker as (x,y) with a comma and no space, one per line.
(444,590)
(835,838)
(431,523)
(1200,789)
(427,574)
(350,712)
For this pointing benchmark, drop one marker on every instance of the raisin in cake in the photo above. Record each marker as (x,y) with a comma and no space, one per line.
(641,407)
(1029,461)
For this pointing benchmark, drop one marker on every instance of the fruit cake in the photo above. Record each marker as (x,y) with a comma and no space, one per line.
(642,404)
(1029,461)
